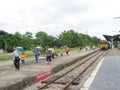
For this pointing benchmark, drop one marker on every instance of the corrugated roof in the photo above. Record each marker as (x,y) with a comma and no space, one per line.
(114,37)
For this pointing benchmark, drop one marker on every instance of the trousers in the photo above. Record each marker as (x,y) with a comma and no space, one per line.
(17,63)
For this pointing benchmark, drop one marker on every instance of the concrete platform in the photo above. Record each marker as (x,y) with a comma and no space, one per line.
(10,79)
(108,77)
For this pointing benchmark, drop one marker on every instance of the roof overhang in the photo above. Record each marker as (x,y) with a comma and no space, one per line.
(112,37)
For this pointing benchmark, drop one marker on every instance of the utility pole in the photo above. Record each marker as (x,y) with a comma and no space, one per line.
(119,30)
(112,41)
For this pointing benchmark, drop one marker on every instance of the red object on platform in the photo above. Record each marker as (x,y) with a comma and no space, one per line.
(41,76)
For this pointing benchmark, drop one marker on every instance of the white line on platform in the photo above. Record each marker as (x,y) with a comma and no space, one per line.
(87,84)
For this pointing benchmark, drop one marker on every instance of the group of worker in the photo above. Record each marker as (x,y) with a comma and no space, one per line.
(50,55)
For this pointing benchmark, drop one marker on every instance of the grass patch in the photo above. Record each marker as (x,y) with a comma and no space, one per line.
(29,54)
(9,56)
(5,56)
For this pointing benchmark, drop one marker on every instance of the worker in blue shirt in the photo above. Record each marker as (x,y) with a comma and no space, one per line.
(36,52)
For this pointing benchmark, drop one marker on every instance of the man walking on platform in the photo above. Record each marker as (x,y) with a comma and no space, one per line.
(48,55)
(36,52)
(16,58)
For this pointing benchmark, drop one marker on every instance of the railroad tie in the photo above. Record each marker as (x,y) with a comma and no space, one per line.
(50,79)
(64,80)
(76,81)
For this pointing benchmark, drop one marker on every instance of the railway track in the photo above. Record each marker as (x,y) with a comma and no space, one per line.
(70,76)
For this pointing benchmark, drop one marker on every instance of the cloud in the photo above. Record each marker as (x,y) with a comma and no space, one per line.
(55,16)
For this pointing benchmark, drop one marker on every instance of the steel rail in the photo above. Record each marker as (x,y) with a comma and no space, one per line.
(81,72)
(44,86)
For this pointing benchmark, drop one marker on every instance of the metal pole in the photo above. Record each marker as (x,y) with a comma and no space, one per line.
(112,41)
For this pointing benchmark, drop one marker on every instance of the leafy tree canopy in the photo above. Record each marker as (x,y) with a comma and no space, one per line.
(67,37)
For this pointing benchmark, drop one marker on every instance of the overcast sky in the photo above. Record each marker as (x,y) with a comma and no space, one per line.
(93,17)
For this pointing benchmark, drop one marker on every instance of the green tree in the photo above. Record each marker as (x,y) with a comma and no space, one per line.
(40,38)
(27,41)
(43,39)
(95,40)
(75,39)
(17,37)
(69,38)
(4,36)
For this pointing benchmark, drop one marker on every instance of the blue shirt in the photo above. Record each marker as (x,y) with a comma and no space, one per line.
(36,51)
